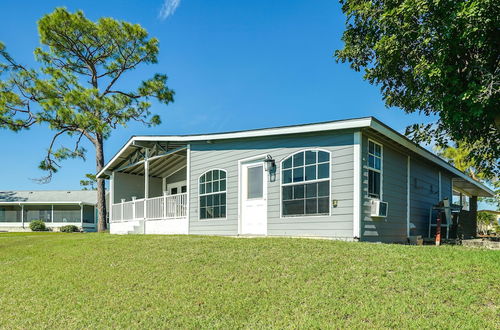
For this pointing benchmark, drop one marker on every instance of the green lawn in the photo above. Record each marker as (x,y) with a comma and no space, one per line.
(98,280)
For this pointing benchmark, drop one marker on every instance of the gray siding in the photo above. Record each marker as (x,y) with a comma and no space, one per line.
(424,188)
(424,193)
(225,155)
(128,185)
(177,177)
(394,192)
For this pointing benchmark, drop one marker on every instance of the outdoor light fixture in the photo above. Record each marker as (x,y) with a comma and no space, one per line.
(269,164)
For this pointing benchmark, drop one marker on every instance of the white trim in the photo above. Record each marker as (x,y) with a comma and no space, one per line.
(408,195)
(188,186)
(330,155)
(328,126)
(146,174)
(212,193)
(357,191)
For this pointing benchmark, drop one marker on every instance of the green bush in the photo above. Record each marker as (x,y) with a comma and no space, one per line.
(38,225)
(69,229)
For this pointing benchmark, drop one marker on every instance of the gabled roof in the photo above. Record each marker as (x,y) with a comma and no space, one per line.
(372,123)
(48,196)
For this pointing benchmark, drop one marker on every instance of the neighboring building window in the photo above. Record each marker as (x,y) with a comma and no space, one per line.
(374,169)
(213,195)
(305,183)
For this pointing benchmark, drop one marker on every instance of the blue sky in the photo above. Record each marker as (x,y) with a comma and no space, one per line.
(233,65)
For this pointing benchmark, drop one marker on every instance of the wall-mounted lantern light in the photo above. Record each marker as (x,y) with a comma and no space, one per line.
(269,164)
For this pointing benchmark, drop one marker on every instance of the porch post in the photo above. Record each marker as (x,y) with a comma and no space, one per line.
(52,213)
(473,212)
(111,196)
(22,215)
(81,215)
(146,175)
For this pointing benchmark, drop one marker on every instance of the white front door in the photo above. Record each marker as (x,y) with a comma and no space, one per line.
(253,199)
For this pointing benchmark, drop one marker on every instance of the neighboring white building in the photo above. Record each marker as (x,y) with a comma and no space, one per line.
(55,207)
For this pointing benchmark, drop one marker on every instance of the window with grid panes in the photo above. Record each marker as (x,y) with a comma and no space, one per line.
(374,169)
(213,195)
(305,183)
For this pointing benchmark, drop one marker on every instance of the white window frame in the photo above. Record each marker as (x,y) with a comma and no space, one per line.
(212,193)
(306,182)
(381,171)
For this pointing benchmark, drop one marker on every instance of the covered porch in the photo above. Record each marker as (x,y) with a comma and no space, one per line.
(149,189)
(55,214)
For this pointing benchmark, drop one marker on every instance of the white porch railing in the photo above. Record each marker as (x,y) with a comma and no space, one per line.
(163,207)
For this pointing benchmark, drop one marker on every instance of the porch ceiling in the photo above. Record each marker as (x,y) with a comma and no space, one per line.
(161,153)
(469,188)
(160,166)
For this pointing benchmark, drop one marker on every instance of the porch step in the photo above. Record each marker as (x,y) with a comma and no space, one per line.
(128,227)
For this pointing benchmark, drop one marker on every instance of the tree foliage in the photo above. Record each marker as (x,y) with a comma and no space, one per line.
(459,156)
(487,222)
(89,183)
(15,111)
(76,86)
(435,57)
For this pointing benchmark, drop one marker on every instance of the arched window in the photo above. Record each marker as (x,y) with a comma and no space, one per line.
(305,183)
(213,195)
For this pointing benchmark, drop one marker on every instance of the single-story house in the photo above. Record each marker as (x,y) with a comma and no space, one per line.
(55,207)
(354,179)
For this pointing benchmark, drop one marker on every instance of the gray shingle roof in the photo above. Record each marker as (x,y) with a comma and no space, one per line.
(49,196)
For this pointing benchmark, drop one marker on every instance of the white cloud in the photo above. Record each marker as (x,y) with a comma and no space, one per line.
(168,8)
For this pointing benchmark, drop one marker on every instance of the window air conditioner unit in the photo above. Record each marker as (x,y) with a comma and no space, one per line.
(379,208)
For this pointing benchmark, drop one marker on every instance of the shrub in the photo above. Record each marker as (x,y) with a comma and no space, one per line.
(38,225)
(69,229)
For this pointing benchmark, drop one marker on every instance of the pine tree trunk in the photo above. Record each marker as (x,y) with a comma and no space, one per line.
(101,189)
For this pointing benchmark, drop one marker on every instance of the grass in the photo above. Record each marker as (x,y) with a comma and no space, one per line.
(51,280)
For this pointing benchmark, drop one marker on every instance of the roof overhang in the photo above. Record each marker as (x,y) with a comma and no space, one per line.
(359,123)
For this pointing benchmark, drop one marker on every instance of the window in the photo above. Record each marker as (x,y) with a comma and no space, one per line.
(255,186)
(173,191)
(213,195)
(374,169)
(305,183)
